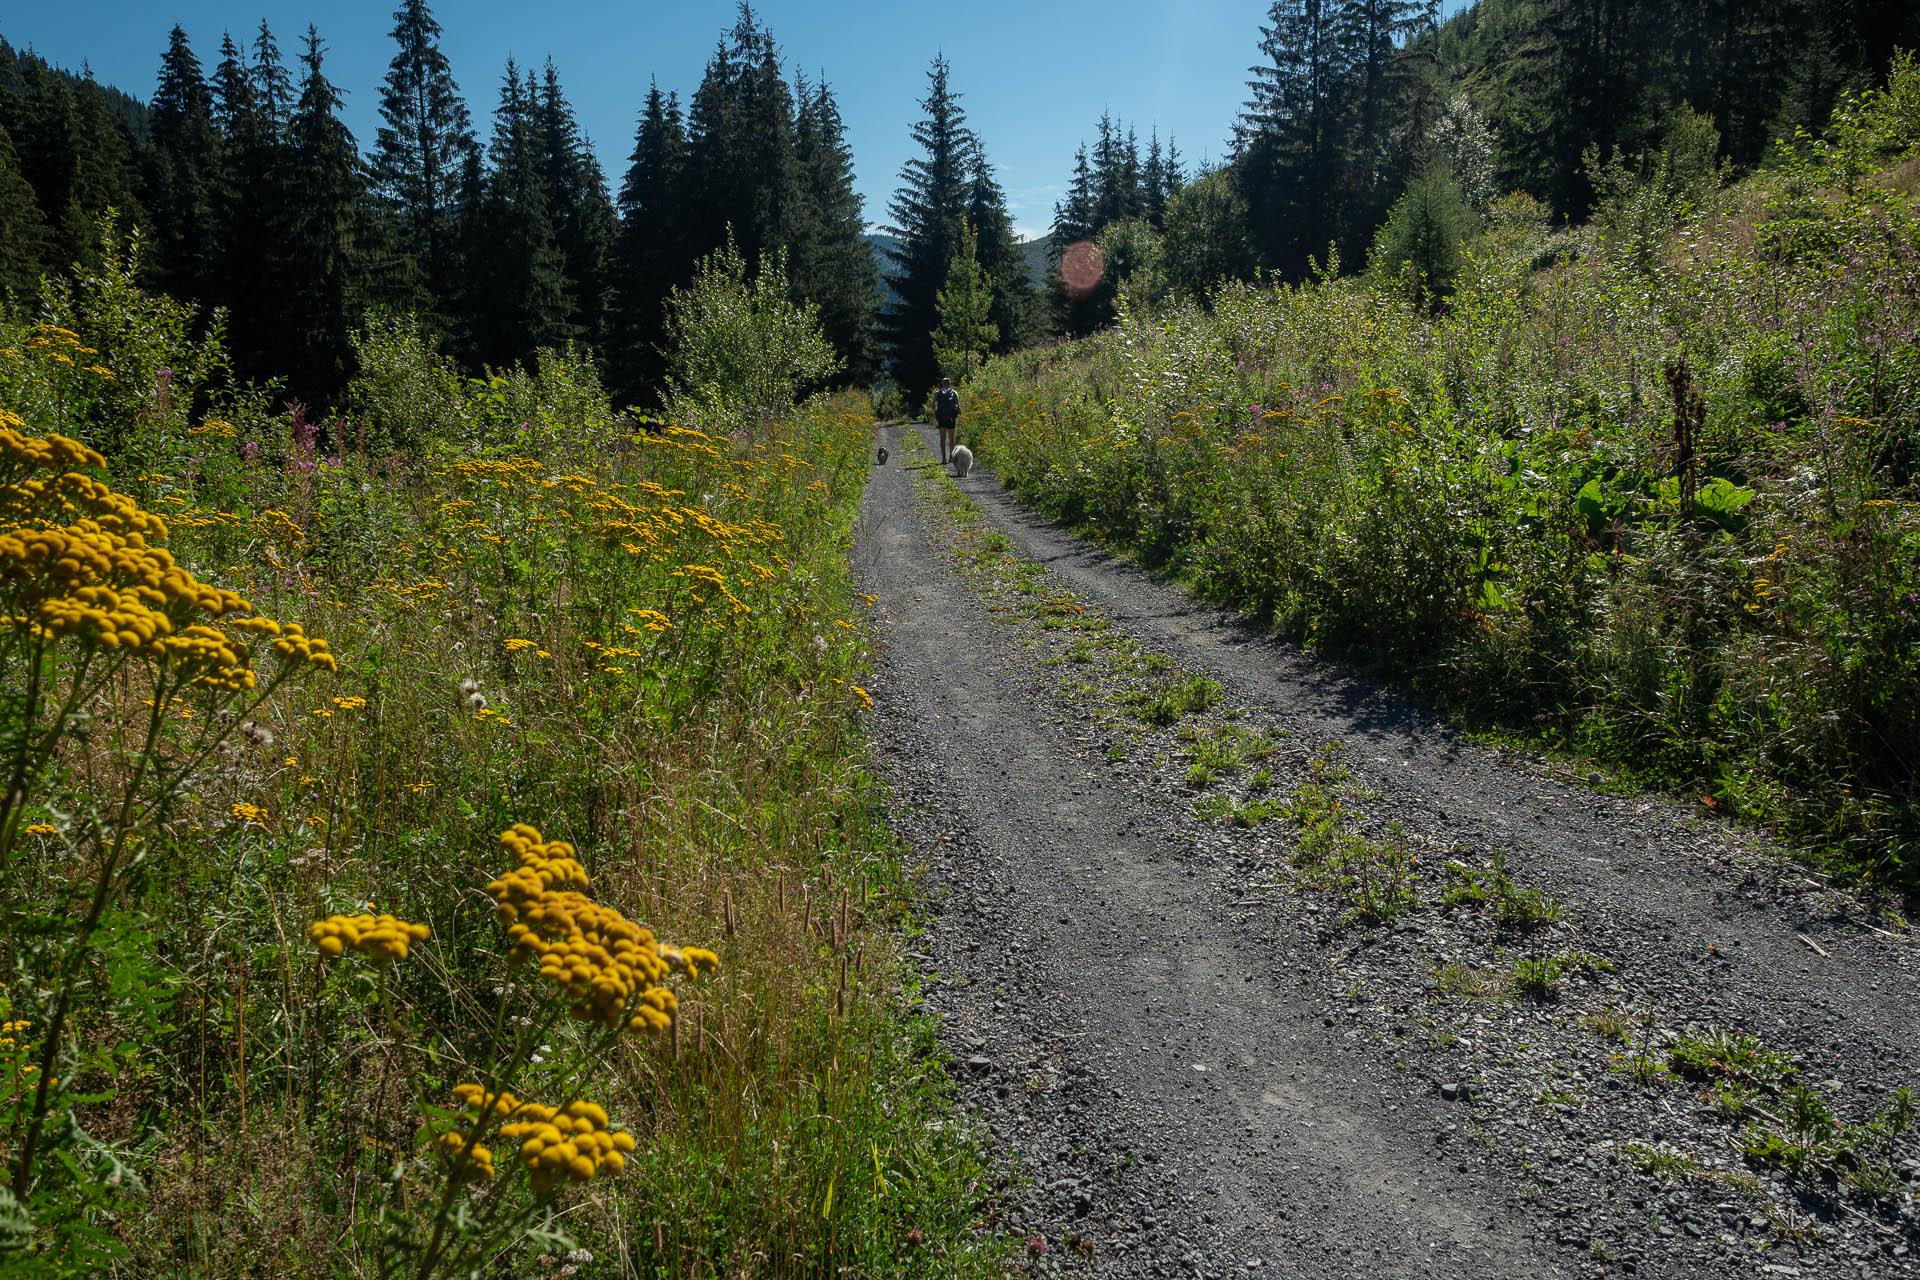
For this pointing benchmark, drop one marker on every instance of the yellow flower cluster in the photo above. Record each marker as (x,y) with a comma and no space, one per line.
(296,644)
(654,531)
(610,967)
(468,1166)
(381,937)
(500,471)
(249,813)
(75,560)
(73,494)
(602,960)
(544,865)
(573,1142)
(702,578)
(51,337)
(34,451)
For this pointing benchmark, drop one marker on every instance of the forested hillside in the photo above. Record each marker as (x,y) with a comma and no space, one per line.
(1353,104)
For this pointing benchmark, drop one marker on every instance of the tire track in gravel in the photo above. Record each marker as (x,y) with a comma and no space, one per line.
(1193,1113)
(1714,921)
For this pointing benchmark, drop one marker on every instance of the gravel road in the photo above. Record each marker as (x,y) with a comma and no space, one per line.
(1194,1060)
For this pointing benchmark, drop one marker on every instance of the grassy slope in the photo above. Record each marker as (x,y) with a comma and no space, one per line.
(1647,489)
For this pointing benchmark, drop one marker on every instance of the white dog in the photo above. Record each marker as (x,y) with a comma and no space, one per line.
(962,460)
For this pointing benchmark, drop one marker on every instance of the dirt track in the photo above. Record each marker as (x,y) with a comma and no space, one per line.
(1200,1067)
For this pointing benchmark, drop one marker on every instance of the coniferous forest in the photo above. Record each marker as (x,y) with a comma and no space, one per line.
(494,224)
(452,811)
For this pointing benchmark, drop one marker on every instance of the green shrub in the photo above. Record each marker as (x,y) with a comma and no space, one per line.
(1418,247)
(739,349)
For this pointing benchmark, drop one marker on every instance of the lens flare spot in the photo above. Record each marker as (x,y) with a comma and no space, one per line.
(1081,267)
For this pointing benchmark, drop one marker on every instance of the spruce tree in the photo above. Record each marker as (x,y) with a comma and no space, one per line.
(12,105)
(74,146)
(927,211)
(1073,214)
(108,171)
(966,332)
(1134,196)
(236,116)
(584,221)
(1290,140)
(833,265)
(39,113)
(272,82)
(232,89)
(1153,182)
(251,204)
(649,259)
(181,173)
(1569,87)
(314,264)
(1113,195)
(77,152)
(470,247)
(1373,34)
(419,150)
(1419,246)
(516,273)
(1000,256)
(768,150)
(1072,223)
(1116,189)
(743,173)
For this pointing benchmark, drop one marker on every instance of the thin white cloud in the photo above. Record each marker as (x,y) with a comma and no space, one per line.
(1042,197)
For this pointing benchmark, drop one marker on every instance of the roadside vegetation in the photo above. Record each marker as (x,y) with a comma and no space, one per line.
(1409,909)
(1644,487)
(355,763)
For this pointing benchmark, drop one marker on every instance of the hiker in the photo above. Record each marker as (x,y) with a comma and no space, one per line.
(946,412)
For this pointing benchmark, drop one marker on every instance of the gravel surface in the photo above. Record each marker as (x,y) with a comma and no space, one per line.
(1196,1058)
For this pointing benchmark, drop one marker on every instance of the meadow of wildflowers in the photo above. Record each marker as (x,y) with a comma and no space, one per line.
(1650,494)
(294,982)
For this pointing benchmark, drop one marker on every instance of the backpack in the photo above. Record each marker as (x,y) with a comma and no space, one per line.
(946,404)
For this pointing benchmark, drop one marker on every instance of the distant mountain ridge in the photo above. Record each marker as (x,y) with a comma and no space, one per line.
(1034,252)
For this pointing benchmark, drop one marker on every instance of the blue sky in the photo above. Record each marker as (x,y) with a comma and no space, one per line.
(1034,76)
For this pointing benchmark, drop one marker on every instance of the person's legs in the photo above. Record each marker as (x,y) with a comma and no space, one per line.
(946,444)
